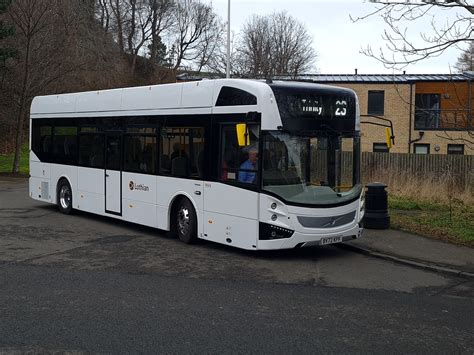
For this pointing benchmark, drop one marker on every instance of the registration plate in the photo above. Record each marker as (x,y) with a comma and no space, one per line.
(331,240)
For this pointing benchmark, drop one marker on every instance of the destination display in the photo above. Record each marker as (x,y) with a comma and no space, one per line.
(318,106)
(309,107)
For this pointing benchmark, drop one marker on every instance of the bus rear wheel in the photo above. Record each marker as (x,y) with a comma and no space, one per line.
(64,197)
(185,221)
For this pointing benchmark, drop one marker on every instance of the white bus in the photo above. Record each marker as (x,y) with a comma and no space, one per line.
(252,164)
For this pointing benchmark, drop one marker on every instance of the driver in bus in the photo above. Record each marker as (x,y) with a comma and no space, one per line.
(245,174)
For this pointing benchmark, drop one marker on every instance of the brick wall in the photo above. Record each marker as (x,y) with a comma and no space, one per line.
(397,109)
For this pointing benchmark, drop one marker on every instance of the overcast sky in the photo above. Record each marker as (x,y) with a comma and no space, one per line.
(337,40)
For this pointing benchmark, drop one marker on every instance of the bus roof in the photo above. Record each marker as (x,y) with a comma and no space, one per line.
(190,95)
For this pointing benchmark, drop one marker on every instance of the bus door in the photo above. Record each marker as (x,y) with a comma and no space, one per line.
(113,173)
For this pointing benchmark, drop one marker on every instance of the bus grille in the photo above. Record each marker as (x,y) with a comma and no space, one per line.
(326,222)
(45,190)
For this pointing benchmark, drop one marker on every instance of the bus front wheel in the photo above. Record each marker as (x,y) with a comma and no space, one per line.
(64,197)
(185,221)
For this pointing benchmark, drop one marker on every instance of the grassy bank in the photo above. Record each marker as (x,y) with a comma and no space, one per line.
(6,161)
(434,220)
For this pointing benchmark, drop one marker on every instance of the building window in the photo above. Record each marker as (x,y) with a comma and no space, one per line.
(456,149)
(380,148)
(427,111)
(375,105)
(422,149)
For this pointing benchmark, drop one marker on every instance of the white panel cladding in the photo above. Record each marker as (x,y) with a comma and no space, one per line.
(150,100)
(89,202)
(198,94)
(105,100)
(33,156)
(58,171)
(54,104)
(162,218)
(41,170)
(227,199)
(231,230)
(168,188)
(230,213)
(139,187)
(139,212)
(152,97)
(113,200)
(90,180)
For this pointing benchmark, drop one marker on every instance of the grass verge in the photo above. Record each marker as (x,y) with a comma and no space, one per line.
(6,161)
(433,220)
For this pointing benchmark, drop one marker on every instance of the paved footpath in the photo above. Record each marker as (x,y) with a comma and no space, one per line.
(432,253)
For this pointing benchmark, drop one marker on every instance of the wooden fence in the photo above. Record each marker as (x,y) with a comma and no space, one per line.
(386,166)
(429,166)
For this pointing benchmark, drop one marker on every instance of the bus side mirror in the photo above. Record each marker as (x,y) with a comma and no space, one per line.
(242,134)
(388,138)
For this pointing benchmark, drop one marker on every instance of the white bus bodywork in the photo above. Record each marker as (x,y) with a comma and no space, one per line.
(226,214)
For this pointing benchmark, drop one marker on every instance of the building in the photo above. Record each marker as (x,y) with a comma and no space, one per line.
(431,113)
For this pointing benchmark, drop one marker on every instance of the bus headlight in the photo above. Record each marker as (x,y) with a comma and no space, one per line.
(270,232)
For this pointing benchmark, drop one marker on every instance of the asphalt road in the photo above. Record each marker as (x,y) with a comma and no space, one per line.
(83,283)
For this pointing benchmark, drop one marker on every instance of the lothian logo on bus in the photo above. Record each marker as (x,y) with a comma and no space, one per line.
(139,187)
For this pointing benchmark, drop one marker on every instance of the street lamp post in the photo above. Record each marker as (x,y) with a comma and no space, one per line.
(228,40)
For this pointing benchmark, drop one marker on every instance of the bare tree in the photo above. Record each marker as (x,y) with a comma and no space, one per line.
(275,45)
(255,48)
(292,45)
(56,41)
(137,25)
(465,60)
(103,13)
(118,17)
(400,50)
(31,19)
(197,27)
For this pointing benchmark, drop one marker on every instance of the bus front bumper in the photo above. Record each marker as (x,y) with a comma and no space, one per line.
(298,239)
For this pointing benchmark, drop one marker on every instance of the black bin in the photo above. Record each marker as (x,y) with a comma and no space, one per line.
(376,207)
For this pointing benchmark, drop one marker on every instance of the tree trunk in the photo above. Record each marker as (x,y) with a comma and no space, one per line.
(21,110)
(18,141)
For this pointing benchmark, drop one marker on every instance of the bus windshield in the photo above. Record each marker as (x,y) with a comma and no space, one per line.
(321,169)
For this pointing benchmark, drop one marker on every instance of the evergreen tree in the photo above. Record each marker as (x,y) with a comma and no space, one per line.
(160,55)
(465,61)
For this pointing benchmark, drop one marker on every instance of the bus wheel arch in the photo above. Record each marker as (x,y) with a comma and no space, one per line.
(183,219)
(64,195)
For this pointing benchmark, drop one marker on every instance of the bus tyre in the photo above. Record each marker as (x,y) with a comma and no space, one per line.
(64,197)
(186,221)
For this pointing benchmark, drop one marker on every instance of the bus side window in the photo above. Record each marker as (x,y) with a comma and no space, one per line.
(182,151)
(91,150)
(64,144)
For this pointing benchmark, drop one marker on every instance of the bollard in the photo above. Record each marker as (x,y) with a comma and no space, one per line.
(376,207)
